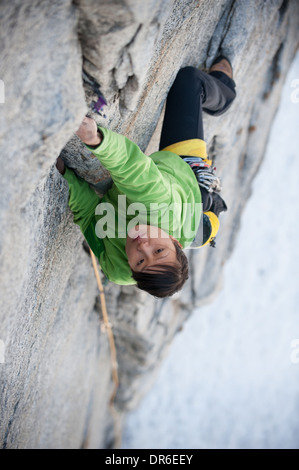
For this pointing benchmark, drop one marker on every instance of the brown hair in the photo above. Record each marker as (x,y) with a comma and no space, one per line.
(164,280)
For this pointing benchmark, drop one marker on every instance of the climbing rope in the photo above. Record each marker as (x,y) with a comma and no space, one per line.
(114,363)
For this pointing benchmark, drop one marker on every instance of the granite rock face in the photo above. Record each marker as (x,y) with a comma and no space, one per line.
(55,371)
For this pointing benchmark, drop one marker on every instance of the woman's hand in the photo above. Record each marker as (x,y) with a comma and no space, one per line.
(88,132)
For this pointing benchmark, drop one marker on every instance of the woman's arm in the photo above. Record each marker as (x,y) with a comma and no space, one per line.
(134,173)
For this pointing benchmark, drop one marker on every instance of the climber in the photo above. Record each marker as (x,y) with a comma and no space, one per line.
(147,249)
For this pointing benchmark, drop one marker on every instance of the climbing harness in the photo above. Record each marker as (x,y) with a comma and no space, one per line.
(208,181)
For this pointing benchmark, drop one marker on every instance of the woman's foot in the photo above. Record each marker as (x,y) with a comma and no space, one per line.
(221,64)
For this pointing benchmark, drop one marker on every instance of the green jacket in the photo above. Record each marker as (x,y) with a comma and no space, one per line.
(161,182)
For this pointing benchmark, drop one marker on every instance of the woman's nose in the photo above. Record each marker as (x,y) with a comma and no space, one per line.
(142,244)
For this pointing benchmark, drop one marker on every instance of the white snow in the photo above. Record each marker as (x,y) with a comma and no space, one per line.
(231,379)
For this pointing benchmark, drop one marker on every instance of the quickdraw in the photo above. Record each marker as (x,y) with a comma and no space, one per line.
(204,174)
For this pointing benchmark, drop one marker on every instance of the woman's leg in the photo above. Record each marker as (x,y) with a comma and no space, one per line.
(192,92)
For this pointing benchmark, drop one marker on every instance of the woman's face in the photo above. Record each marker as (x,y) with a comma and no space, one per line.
(148,246)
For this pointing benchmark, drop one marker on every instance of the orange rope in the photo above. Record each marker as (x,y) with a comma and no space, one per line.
(111,343)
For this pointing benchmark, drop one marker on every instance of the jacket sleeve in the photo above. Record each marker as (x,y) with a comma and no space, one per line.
(135,174)
(82,199)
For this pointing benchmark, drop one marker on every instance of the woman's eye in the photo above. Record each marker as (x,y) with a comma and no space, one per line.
(140,262)
(159,250)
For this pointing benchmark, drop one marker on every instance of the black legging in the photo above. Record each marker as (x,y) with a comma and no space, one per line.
(192,92)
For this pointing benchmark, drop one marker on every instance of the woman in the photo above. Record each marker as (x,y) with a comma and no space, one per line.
(167,189)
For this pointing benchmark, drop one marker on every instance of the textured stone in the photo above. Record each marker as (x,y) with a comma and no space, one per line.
(56,380)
